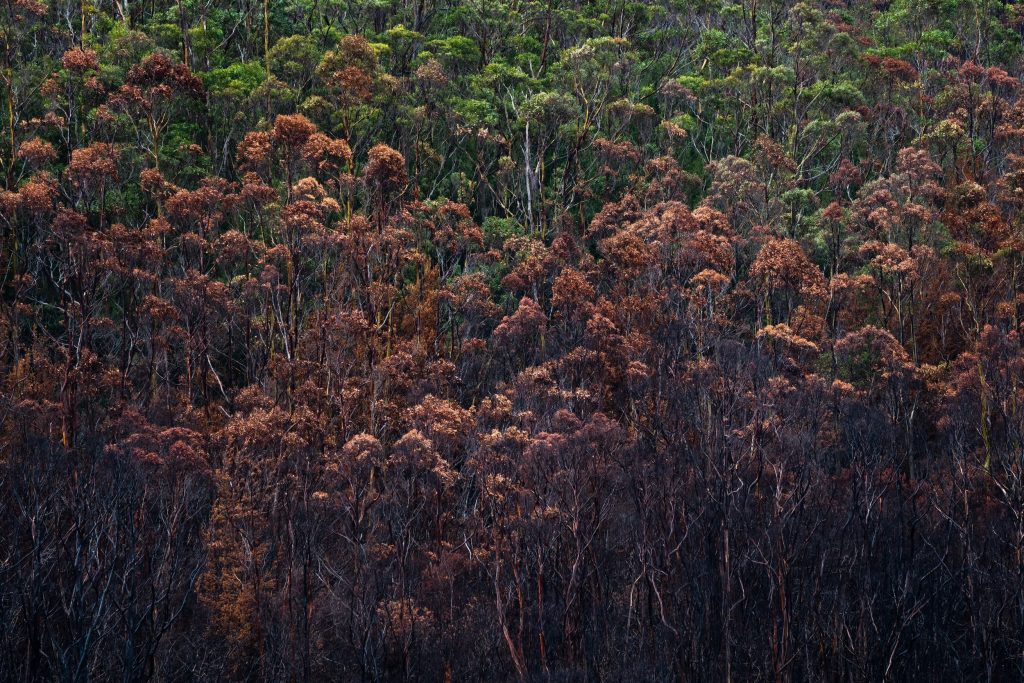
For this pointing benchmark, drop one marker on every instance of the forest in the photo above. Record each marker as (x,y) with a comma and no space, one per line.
(511,340)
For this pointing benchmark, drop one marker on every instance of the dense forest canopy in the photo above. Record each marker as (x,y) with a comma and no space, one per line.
(522,340)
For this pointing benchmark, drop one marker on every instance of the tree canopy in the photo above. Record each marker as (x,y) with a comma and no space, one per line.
(511,340)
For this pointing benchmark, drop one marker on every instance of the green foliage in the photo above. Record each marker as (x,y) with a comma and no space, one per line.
(475,112)
(457,51)
(238,78)
(496,230)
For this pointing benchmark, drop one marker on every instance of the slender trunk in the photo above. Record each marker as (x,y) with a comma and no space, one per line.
(266,36)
